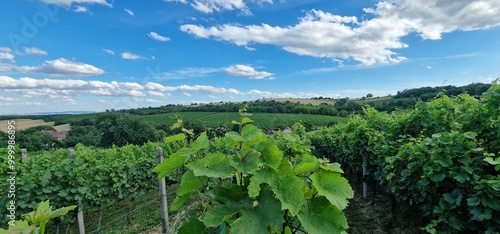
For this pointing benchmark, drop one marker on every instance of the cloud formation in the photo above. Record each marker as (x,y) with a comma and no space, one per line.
(129,12)
(109,51)
(81,9)
(371,41)
(158,37)
(432,18)
(211,6)
(250,72)
(68,3)
(131,56)
(63,67)
(34,51)
(6,54)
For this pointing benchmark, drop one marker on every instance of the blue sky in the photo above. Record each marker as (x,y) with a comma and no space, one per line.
(93,55)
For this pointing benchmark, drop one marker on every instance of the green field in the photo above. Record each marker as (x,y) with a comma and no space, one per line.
(263,120)
(213,119)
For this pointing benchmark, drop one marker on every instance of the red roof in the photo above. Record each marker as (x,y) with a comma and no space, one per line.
(57,135)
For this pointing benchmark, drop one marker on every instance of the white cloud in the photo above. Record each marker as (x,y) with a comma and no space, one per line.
(432,18)
(250,72)
(129,12)
(109,51)
(186,94)
(371,41)
(6,67)
(69,89)
(68,3)
(132,56)
(211,6)
(34,50)
(63,67)
(7,99)
(319,34)
(6,54)
(267,94)
(158,37)
(82,9)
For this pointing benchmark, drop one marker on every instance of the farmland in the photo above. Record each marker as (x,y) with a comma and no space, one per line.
(22,124)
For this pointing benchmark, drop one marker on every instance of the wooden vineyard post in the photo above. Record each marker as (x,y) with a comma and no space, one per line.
(79,216)
(24,155)
(163,195)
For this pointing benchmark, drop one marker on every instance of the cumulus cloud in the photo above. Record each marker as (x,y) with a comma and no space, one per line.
(68,3)
(158,37)
(63,67)
(250,72)
(432,18)
(6,54)
(319,34)
(131,56)
(34,50)
(129,12)
(371,41)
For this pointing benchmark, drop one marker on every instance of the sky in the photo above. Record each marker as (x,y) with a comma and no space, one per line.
(93,55)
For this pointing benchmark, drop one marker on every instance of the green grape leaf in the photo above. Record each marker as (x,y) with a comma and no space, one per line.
(174,138)
(266,216)
(271,155)
(252,135)
(233,138)
(178,202)
(190,183)
(246,120)
(229,199)
(335,188)
(247,161)
(265,175)
(289,192)
(322,217)
(214,165)
(18,227)
(285,167)
(193,225)
(335,167)
(61,211)
(492,161)
(201,142)
(174,162)
(309,164)
(437,177)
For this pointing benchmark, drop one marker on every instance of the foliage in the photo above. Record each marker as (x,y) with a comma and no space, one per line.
(441,158)
(36,220)
(251,184)
(121,129)
(94,176)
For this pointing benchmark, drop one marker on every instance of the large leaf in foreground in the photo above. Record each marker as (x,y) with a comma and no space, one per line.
(322,217)
(174,162)
(213,165)
(267,215)
(332,186)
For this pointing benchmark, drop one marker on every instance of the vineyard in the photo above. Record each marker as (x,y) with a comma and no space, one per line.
(439,161)
(91,177)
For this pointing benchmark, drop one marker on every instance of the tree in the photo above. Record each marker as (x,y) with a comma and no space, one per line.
(121,129)
(369,95)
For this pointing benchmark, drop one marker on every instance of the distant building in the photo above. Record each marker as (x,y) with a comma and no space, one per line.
(58,135)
